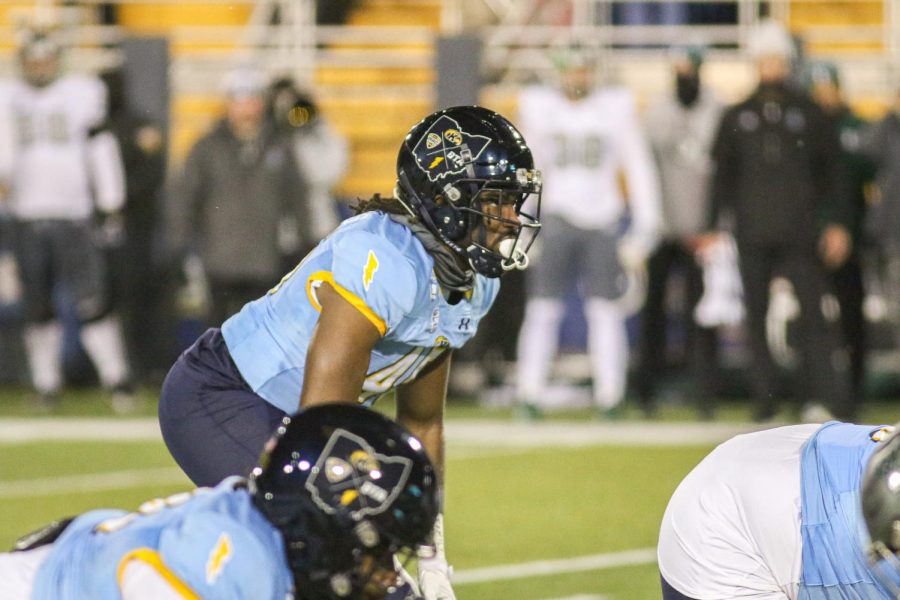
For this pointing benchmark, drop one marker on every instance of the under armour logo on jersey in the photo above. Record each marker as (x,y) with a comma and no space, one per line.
(464,323)
(350,475)
(446,149)
(369,270)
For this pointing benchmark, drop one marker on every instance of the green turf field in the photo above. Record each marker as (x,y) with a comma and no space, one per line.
(529,521)
(503,507)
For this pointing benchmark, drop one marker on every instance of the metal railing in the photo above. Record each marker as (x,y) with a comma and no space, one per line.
(516,40)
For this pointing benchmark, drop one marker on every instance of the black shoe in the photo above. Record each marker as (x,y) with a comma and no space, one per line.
(526,411)
(649,407)
(123,400)
(613,413)
(706,412)
(764,414)
(45,402)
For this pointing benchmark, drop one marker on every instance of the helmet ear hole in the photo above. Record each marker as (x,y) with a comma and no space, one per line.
(450,221)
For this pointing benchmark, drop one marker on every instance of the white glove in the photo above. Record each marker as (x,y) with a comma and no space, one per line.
(434,579)
(110,232)
(434,571)
(633,251)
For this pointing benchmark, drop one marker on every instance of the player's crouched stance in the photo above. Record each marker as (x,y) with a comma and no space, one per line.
(804,512)
(338,493)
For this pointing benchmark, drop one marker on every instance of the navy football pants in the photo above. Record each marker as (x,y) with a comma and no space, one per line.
(212,422)
(670,593)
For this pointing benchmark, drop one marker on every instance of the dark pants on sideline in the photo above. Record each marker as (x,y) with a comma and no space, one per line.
(212,422)
(700,342)
(670,593)
(850,291)
(816,339)
(229,297)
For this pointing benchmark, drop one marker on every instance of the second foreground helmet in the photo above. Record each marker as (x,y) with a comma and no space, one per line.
(348,488)
(880,496)
(446,164)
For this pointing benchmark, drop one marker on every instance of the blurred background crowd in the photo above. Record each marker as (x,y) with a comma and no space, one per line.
(721,208)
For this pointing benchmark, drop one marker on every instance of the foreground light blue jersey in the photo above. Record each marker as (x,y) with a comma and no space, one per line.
(380,267)
(213,541)
(834,534)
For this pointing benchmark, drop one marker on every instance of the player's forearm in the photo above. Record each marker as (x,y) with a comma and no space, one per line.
(431,434)
(420,408)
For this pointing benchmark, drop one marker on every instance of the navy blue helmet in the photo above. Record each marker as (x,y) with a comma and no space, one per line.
(348,488)
(880,498)
(455,167)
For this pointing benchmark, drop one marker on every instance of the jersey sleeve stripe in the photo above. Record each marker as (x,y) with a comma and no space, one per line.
(358,303)
(151,558)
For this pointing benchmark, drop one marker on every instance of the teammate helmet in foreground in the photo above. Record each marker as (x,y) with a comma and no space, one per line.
(348,488)
(880,499)
(455,167)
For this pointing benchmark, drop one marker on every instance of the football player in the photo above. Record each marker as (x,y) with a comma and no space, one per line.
(65,167)
(804,511)
(338,493)
(584,138)
(376,307)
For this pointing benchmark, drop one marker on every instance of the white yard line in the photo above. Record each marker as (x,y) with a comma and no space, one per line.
(23,430)
(544,568)
(469,433)
(92,482)
(575,434)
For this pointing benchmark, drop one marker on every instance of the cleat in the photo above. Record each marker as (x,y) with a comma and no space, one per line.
(526,411)
(123,400)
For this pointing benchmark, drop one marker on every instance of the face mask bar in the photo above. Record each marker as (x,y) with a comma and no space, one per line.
(378,576)
(885,565)
(485,213)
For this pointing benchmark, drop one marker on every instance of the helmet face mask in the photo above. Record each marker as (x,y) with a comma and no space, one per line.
(348,489)
(501,232)
(455,169)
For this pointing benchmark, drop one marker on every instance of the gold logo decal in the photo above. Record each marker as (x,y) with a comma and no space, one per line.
(432,140)
(453,136)
(437,160)
(369,271)
(218,558)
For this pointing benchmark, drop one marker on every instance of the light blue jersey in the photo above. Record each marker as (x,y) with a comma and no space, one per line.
(382,269)
(834,534)
(210,544)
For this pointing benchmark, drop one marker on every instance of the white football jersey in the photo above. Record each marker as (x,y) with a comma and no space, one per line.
(59,168)
(732,527)
(581,148)
(7,136)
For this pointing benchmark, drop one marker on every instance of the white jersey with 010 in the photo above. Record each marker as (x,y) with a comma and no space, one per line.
(60,166)
(732,527)
(582,147)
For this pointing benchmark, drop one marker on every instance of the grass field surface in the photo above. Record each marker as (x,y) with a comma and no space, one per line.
(562,510)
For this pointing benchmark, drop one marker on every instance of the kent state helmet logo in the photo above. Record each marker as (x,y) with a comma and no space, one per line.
(350,475)
(445,147)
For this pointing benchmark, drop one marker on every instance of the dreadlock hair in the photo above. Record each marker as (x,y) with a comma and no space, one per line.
(388,205)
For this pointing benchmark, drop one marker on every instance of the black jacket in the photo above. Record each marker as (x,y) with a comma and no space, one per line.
(778,169)
(230,199)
